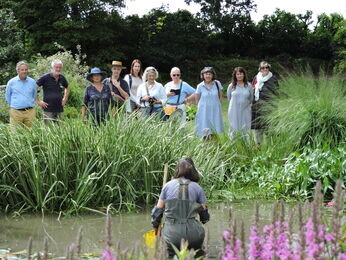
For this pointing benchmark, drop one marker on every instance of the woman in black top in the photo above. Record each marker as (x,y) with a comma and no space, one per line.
(97,98)
(265,86)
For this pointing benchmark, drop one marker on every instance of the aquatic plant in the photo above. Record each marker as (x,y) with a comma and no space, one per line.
(309,110)
(314,238)
(75,167)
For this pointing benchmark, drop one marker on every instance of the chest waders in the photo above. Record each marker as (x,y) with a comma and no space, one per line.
(181,223)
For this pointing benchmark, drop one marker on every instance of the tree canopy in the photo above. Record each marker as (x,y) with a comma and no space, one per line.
(222,29)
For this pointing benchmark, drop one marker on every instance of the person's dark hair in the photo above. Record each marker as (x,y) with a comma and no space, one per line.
(234,78)
(186,168)
(140,71)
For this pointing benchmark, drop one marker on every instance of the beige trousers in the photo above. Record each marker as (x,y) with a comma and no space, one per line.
(24,118)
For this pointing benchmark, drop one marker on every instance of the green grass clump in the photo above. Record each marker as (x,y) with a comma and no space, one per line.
(309,111)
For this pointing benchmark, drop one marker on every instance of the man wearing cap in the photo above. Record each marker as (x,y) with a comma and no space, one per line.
(119,87)
(53,83)
(21,95)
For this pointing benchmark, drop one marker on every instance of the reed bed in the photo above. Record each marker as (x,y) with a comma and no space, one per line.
(75,167)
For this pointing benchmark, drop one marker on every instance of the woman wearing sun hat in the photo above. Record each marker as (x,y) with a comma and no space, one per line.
(97,98)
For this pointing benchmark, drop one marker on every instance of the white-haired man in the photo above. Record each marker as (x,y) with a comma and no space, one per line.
(53,84)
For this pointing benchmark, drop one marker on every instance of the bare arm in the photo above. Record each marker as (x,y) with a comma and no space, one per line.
(160,204)
(66,94)
(194,98)
(41,103)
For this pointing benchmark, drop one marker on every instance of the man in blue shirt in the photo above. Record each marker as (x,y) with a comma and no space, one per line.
(21,95)
(177,91)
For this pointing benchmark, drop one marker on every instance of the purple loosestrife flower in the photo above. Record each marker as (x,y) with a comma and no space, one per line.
(268,251)
(255,249)
(230,253)
(313,249)
(342,256)
(108,255)
(330,237)
(283,243)
(330,204)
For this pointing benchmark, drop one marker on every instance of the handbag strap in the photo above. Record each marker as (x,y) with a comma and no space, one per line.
(146,87)
(218,88)
(130,81)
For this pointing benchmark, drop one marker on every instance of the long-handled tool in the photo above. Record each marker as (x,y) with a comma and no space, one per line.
(150,237)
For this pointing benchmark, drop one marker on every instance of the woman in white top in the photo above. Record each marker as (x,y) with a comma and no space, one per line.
(134,79)
(151,95)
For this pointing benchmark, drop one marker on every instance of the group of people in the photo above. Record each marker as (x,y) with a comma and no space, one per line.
(150,97)
(140,92)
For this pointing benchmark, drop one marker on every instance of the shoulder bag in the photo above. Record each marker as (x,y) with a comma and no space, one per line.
(169,110)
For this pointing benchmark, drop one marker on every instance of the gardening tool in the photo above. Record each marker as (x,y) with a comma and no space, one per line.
(150,237)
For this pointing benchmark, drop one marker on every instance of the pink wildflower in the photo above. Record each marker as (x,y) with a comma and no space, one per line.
(330,204)
(108,255)
(330,237)
(255,248)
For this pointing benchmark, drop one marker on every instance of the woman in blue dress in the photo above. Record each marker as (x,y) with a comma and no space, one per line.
(208,97)
(240,96)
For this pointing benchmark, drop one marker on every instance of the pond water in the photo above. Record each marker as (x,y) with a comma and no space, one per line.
(127,228)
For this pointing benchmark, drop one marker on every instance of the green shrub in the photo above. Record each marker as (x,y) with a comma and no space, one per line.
(71,112)
(4,117)
(298,173)
(309,111)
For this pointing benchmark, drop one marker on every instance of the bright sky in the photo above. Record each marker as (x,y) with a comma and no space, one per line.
(141,7)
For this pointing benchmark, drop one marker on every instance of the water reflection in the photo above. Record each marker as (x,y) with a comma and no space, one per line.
(127,228)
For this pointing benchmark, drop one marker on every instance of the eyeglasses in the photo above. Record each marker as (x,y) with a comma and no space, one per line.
(266,67)
(176,75)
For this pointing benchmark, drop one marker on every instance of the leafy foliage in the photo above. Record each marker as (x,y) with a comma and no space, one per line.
(12,46)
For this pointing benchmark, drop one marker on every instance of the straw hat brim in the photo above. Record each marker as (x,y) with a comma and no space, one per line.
(111,66)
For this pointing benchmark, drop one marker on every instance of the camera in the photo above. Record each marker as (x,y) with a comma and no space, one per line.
(175,91)
(152,100)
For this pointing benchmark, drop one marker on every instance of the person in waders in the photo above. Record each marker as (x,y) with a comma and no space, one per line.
(181,200)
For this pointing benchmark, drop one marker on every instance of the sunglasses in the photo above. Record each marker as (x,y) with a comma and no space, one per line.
(176,75)
(266,67)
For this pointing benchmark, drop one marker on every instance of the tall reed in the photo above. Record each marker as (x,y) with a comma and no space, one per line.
(309,110)
(77,167)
